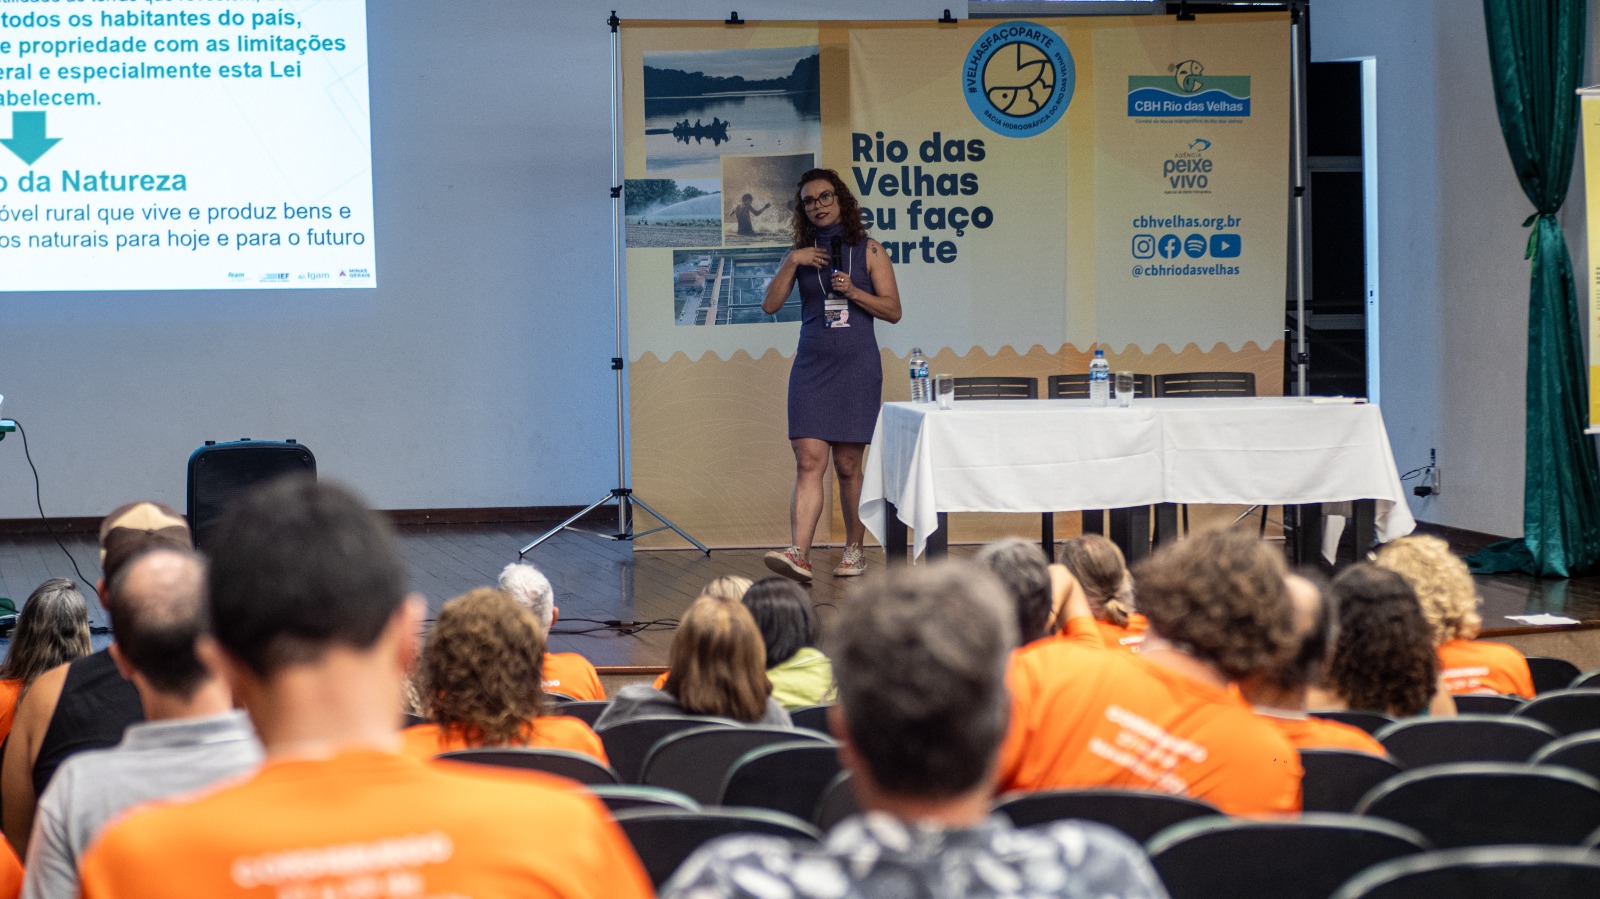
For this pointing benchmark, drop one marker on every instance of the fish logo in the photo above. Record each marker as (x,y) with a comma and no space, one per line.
(1187,74)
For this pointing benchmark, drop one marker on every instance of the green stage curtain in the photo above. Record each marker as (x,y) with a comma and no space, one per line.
(1536,59)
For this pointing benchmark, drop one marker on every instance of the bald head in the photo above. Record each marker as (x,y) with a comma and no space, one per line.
(157,613)
(1315,631)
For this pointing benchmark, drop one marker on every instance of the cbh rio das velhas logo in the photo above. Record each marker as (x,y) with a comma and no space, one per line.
(1018,79)
(1188,92)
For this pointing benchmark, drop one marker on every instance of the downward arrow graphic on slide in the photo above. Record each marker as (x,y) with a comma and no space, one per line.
(27,138)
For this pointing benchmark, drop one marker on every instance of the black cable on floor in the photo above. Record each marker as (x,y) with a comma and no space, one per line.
(39,501)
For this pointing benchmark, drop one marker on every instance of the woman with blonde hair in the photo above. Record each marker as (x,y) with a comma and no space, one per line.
(718,668)
(480,683)
(1450,602)
(1102,571)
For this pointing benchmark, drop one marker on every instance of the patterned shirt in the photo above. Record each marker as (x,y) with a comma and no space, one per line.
(878,856)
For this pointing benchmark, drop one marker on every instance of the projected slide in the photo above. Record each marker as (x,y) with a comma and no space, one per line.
(184,145)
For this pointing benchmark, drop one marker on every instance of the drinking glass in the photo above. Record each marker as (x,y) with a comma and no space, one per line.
(1124,385)
(944,390)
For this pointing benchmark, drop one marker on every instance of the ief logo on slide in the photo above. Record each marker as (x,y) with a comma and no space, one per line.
(1018,79)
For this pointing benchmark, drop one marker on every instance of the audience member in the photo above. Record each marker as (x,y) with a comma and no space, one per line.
(1167,719)
(191,736)
(1024,572)
(567,673)
(314,632)
(1450,603)
(1098,565)
(1384,659)
(480,682)
(87,703)
(800,674)
(1279,695)
(717,667)
(51,630)
(920,656)
(728,586)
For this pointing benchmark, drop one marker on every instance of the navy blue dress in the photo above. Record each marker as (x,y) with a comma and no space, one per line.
(836,385)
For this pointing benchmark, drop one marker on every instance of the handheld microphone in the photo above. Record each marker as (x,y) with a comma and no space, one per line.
(834,252)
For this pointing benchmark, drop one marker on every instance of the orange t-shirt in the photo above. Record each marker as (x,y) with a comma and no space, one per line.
(571,674)
(10,692)
(1312,732)
(1082,718)
(373,824)
(424,741)
(10,871)
(1470,666)
(1130,638)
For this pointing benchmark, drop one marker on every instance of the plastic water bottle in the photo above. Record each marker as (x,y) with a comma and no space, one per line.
(1099,379)
(920,391)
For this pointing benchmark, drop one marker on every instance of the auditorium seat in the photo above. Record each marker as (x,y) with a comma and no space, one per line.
(586,710)
(621,797)
(1371,722)
(1487,704)
(1580,752)
(784,777)
(838,802)
(696,761)
(1137,813)
(1225,858)
(1489,872)
(1485,803)
(1564,711)
(1336,779)
(564,763)
(1551,674)
(1464,738)
(628,742)
(664,838)
(1586,679)
(812,717)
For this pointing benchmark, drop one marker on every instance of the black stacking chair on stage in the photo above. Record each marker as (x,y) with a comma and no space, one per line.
(1308,858)
(1208,384)
(1076,387)
(997,387)
(1489,803)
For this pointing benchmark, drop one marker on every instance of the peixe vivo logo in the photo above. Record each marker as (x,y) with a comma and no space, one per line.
(1189,170)
(1188,91)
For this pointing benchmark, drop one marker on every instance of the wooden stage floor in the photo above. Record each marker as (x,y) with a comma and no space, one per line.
(598,580)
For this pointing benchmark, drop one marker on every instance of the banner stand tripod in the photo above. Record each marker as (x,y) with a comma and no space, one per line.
(622,494)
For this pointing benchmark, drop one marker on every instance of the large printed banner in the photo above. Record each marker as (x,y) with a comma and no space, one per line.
(1042,187)
(1590,104)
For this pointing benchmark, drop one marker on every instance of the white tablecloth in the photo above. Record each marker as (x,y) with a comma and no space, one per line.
(1059,455)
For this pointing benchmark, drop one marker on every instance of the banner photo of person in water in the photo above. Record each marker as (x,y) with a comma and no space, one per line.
(1042,187)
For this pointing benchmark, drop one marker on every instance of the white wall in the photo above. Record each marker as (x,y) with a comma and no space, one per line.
(1454,285)
(478,374)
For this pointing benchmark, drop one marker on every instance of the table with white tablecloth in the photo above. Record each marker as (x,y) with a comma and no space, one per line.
(1061,455)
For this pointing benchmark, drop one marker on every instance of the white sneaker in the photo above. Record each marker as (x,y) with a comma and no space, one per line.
(853,563)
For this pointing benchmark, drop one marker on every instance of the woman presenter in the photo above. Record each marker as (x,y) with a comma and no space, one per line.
(836,385)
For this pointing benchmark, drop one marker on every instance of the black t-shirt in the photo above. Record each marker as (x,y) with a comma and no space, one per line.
(97,704)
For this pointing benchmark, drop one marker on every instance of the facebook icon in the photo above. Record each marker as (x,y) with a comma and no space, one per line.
(1226,246)
(1169,246)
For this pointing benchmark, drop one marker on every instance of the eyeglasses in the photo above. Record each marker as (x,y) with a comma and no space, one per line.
(823,199)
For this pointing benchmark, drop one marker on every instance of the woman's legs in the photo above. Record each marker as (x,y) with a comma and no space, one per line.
(805,506)
(847,468)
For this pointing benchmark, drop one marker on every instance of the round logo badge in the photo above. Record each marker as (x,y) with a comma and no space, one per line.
(1018,79)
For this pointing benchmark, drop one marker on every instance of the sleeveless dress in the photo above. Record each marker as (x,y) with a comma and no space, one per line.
(836,385)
